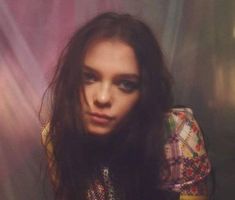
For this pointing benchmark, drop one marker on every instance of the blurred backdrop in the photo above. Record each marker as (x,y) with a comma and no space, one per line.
(198,40)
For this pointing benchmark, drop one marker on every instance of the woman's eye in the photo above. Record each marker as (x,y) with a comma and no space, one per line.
(89,77)
(128,86)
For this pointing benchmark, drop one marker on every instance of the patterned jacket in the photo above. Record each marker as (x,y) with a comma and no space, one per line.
(186,156)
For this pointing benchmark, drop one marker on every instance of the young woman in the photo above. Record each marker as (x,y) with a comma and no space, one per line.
(112,134)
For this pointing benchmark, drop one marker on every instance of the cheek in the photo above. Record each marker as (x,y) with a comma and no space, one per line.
(127,104)
(84,100)
(85,96)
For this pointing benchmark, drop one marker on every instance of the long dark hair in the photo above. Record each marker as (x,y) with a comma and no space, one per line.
(134,155)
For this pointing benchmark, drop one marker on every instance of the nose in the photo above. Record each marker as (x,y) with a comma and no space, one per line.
(103,96)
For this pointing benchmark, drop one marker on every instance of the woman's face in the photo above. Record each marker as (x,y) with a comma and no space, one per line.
(111,85)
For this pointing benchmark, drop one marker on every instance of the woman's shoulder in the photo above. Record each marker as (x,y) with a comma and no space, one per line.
(184,150)
(176,117)
(182,127)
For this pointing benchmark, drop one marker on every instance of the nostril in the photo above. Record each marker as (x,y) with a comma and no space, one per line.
(102,104)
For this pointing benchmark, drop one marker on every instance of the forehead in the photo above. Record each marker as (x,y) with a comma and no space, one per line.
(111,56)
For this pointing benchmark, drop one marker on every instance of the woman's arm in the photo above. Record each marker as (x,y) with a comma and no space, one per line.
(188,163)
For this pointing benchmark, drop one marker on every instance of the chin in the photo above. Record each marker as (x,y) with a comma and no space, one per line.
(99,131)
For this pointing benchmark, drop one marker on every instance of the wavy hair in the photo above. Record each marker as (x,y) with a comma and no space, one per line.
(134,155)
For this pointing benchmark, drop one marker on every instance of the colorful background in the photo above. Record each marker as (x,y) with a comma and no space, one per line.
(198,39)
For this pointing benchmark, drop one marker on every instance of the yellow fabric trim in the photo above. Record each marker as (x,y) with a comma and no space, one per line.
(49,151)
(44,138)
(190,197)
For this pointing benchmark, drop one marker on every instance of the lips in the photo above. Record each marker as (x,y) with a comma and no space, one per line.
(100,119)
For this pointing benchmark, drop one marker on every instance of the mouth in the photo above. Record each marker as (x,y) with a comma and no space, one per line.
(100,118)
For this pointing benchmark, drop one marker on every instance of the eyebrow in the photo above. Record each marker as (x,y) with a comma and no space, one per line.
(121,75)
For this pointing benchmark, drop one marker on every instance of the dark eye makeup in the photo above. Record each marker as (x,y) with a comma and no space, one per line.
(89,77)
(127,85)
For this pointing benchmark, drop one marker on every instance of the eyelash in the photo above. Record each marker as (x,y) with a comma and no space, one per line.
(127,86)
(124,85)
(89,78)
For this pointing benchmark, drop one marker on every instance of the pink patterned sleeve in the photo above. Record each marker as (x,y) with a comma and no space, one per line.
(187,161)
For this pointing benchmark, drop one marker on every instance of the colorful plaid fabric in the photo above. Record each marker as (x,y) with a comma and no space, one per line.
(187,160)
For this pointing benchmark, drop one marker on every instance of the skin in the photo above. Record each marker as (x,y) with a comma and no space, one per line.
(111,85)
